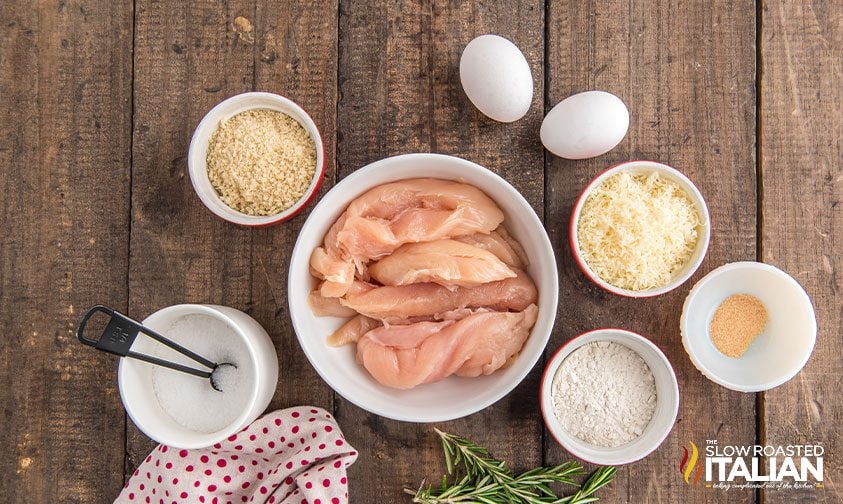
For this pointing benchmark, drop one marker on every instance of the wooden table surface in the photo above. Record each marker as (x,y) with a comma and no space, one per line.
(99,99)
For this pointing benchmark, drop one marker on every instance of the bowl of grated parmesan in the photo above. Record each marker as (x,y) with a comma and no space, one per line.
(256,159)
(640,229)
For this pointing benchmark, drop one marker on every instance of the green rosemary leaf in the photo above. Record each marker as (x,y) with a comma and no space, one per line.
(598,479)
(480,478)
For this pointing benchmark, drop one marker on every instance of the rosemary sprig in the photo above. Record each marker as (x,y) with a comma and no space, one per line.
(475,459)
(598,479)
(480,478)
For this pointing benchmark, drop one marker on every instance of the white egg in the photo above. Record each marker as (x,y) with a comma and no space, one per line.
(496,77)
(585,125)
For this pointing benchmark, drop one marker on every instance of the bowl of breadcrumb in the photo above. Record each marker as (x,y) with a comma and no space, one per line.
(256,159)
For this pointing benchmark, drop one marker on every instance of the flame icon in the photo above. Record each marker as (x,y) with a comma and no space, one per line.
(686,466)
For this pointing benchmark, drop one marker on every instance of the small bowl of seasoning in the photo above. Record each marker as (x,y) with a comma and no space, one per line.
(256,159)
(640,229)
(609,396)
(748,326)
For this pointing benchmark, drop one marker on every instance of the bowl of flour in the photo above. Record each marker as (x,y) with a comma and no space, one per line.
(609,396)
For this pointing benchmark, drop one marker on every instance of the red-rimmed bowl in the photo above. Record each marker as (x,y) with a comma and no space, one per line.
(198,155)
(664,417)
(681,275)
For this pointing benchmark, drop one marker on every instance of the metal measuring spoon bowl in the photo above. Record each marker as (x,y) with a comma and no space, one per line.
(223,375)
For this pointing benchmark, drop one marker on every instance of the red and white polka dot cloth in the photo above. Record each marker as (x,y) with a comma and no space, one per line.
(292,456)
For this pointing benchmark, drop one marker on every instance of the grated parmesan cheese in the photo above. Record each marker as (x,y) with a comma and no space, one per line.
(635,231)
(261,162)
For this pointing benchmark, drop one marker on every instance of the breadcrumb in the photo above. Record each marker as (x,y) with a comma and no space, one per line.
(261,161)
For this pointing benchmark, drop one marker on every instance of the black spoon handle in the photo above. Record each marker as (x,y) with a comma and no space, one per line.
(167,364)
(120,333)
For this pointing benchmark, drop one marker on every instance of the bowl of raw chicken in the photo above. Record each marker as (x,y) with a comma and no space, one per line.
(423,288)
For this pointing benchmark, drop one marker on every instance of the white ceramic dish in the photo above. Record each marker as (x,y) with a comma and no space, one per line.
(453,397)
(134,378)
(636,167)
(198,155)
(667,391)
(778,353)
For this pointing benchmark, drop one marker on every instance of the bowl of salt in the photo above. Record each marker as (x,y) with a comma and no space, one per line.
(185,411)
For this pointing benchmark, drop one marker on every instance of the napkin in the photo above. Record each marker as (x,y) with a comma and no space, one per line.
(296,455)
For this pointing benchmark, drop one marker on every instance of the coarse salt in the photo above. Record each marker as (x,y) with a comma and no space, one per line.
(604,394)
(191,401)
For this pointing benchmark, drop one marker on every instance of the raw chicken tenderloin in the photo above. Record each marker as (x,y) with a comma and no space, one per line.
(352,330)
(327,306)
(448,263)
(358,325)
(501,244)
(390,215)
(406,356)
(415,210)
(330,306)
(336,273)
(394,304)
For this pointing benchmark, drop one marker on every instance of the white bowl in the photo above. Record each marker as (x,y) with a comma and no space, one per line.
(637,167)
(198,155)
(778,353)
(135,379)
(667,402)
(453,397)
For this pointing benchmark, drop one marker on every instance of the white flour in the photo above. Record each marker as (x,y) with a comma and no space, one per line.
(604,393)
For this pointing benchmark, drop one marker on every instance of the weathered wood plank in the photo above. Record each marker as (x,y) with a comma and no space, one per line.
(188,57)
(685,70)
(801,159)
(399,93)
(65,91)
(296,56)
